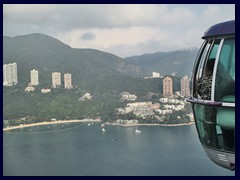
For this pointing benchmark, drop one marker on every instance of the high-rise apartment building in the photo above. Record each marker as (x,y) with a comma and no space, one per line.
(56,79)
(185,89)
(5,78)
(34,77)
(10,74)
(67,81)
(167,87)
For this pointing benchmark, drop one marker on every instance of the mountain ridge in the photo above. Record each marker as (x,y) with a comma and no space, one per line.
(179,62)
(46,54)
(89,67)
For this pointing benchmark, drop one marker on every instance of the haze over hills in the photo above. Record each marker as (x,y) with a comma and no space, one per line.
(179,62)
(91,69)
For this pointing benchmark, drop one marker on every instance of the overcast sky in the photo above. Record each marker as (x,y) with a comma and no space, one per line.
(124,30)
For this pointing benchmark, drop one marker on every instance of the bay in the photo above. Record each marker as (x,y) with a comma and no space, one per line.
(83,149)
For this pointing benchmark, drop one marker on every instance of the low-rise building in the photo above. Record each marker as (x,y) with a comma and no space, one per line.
(140,109)
(86,96)
(164,111)
(173,107)
(44,91)
(127,96)
(155,75)
(137,104)
(29,89)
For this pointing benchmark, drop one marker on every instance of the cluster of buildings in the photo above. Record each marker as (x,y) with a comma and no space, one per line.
(168,86)
(56,81)
(140,109)
(155,110)
(165,106)
(168,103)
(10,78)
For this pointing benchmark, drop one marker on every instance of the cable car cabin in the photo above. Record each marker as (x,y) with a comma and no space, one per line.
(213,94)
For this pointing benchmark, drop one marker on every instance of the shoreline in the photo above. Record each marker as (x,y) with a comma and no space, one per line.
(142,124)
(96,120)
(47,123)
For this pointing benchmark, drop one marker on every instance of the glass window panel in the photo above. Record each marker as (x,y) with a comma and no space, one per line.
(200,65)
(225,75)
(205,82)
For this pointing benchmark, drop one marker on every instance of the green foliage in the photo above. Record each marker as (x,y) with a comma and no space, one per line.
(177,117)
(102,74)
(60,104)
(127,116)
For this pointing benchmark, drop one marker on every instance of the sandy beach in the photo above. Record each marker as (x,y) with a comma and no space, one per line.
(47,123)
(92,120)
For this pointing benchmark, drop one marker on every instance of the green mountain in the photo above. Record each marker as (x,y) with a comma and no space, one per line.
(92,70)
(178,62)
(102,74)
(88,67)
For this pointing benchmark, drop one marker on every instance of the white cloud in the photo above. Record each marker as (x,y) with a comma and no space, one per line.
(108,38)
(124,29)
(217,13)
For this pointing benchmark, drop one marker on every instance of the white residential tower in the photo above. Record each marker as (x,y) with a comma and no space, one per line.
(56,79)
(185,90)
(10,74)
(67,81)
(34,77)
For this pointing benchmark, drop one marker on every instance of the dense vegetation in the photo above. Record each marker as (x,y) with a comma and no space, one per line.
(65,104)
(101,74)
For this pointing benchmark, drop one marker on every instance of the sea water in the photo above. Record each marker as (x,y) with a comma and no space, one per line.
(83,149)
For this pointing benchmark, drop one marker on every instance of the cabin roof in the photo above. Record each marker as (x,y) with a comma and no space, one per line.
(220,29)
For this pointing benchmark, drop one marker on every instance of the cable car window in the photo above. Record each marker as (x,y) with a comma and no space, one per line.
(200,65)
(205,82)
(206,121)
(225,75)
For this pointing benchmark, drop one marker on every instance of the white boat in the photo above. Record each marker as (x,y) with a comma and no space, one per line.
(88,124)
(137,131)
(103,129)
(102,125)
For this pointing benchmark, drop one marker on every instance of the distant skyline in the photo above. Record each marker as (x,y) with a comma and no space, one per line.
(123,29)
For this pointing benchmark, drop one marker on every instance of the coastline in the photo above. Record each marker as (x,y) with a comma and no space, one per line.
(47,123)
(94,120)
(142,124)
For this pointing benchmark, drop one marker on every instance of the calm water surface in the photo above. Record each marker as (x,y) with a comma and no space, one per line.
(83,149)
